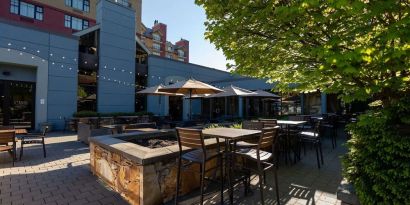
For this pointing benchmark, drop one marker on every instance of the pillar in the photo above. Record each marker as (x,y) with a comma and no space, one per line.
(323,103)
(240,107)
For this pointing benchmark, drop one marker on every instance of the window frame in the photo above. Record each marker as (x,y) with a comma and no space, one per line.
(68,22)
(85,4)
(37,11)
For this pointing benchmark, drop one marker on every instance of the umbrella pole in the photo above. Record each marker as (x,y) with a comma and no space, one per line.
(190,104)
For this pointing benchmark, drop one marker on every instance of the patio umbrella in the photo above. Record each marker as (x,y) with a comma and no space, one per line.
(232,91)
(190,87)
(154,91)
(262,93)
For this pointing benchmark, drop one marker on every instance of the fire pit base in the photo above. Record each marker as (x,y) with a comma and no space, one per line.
(140,174)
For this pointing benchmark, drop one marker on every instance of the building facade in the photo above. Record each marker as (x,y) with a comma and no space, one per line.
(155,39)
(49,71)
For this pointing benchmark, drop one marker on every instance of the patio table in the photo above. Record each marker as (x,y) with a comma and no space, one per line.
(229,135)
(288,124)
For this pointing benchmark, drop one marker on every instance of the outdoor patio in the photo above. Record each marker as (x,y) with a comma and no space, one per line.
(64,177)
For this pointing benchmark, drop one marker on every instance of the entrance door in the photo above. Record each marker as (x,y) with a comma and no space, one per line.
(17,103)
(175,108)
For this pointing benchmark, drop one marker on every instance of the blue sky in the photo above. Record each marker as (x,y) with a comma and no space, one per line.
(184,19)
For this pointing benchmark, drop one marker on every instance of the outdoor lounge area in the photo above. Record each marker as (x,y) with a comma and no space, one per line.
(65,177)
(137,163)
(153,102)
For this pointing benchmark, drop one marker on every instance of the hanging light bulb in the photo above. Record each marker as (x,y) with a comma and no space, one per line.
(38,51)
(9,44)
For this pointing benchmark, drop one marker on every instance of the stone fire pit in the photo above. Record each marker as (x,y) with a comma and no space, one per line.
(142,175)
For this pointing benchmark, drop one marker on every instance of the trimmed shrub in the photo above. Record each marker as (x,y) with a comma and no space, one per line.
(378,161)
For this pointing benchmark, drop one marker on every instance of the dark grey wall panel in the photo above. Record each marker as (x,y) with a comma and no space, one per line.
(117,50)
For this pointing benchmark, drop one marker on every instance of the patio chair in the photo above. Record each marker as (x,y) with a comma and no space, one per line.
(264,159)
(6,127)
(330,123)
(269,122)
(250,125)
(313,138)
(192,138)
(6,137)
(34,138)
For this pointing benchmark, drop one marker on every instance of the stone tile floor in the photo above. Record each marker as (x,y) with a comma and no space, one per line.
(64,177)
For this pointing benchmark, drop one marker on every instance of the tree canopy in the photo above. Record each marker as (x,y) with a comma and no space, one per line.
(358,49)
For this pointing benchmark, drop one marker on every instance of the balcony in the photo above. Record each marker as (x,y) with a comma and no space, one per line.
(88,61)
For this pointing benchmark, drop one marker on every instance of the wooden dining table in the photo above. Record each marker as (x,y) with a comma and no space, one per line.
(230,135)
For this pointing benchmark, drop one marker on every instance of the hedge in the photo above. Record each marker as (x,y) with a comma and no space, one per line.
(378,160)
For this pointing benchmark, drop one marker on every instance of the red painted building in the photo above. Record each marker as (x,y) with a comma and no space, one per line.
(43,16)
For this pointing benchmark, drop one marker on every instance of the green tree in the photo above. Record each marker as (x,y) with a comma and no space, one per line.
(359,49)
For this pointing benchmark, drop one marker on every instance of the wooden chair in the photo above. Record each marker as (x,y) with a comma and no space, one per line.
(6,127)
(269,122)
(252,125)
(34,138)
(313,138)
(192,138)
(264,159)
(7,136)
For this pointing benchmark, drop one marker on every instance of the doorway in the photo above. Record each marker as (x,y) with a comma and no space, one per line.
(17,103)
(175,108)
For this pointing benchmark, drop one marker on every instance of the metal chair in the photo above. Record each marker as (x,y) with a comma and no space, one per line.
(34,138)
(192,138)
(265,160)
(7,136)
(313,138)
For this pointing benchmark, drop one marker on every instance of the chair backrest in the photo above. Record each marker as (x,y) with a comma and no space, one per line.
(44,130)
(252,125)
(7,127)
(191,138)
(269,122)
(296,118)
(318,128)
(7,136)
(268,137)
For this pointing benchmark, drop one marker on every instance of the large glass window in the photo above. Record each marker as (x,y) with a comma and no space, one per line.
(75,23)
(156,37)
(156,46)
(181,53)
(26,9)
(14,6)
(83,5)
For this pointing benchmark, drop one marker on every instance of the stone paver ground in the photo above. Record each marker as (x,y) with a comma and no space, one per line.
(64,177)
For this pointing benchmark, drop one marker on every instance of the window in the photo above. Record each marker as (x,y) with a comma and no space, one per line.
(156,37)
(75,23)
(169,48)
(83,5)
(181,53)
(123,2)
(156,46)
(26,9)
(14,6)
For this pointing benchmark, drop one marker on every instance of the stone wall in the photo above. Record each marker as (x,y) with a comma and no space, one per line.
(148,184)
